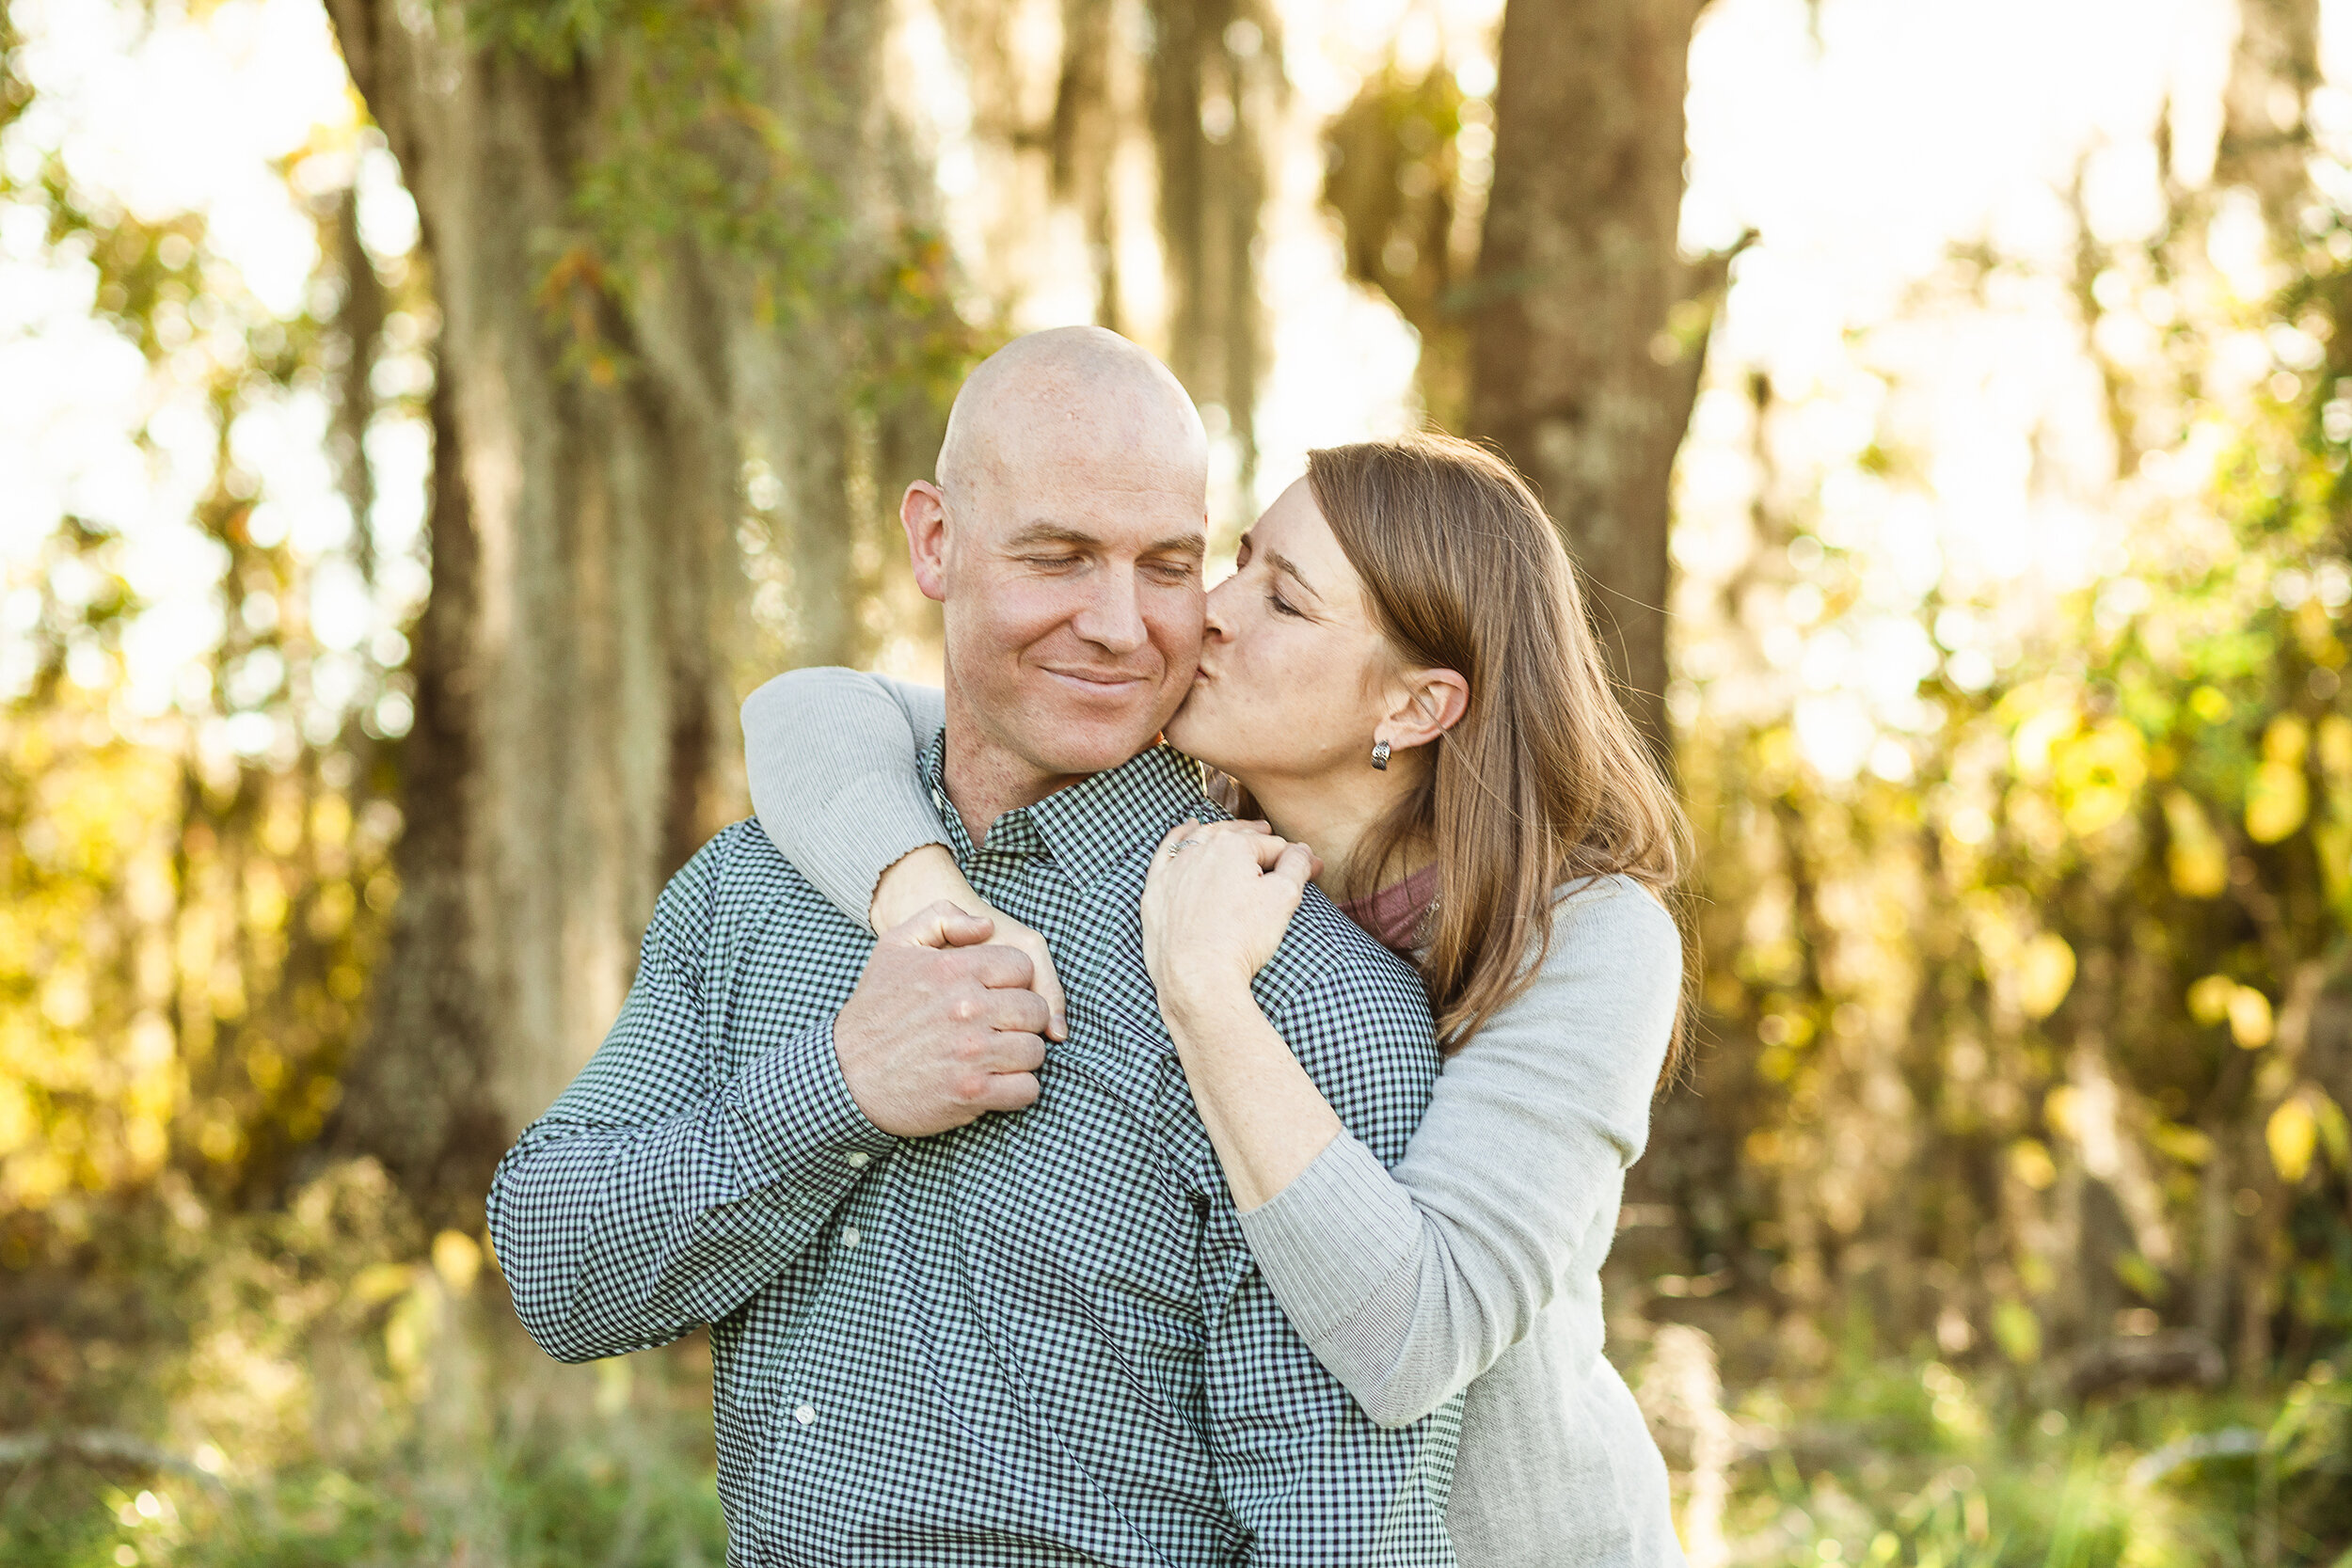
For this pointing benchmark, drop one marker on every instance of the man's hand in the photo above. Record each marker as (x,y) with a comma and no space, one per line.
(929,876)
(943,1026)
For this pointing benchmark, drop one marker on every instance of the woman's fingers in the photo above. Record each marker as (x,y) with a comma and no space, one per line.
(1175,835)
(1270,850)
(1295,864)
(942,924)
(1043,980)
(1183,838)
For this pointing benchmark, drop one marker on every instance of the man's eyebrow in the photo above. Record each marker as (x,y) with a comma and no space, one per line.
(1180,544)
(1052,534)
(1060,534)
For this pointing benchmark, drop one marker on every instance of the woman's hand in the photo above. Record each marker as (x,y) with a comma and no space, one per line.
(1215,904)
(930,876)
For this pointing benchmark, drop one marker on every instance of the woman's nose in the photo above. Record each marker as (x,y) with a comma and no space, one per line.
(1213,617)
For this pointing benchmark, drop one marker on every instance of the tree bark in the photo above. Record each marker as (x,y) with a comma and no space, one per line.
(1215,93)
(576,668)
(1584,360)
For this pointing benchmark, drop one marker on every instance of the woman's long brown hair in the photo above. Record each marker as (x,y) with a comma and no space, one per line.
(1544,779)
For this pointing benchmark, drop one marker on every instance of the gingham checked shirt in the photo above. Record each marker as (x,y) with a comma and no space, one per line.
(1039,1339)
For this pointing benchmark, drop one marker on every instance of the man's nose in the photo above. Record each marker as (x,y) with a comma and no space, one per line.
(1112,616)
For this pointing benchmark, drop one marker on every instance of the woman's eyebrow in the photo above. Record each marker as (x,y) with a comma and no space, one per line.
(1286,564)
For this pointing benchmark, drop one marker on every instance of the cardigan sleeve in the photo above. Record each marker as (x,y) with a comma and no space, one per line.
(831,755)
(1408,1283)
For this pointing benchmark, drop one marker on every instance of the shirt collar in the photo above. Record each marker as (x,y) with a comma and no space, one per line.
(1090,825)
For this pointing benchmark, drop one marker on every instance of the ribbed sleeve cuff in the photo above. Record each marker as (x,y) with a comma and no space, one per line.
(805,1130)
(1329,1241)
(866,828)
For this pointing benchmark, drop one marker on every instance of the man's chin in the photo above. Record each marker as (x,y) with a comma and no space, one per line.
(1075,755)
(1093,743)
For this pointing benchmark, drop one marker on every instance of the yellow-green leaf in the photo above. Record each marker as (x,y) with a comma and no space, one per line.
(2251,1023)
(2335,749)
(2209,998)
(2017,1331)
(457,1259)
(2195,856)
(2098,774)
(2046,973)
(2285,740)
(2293,1133)
(2277,801)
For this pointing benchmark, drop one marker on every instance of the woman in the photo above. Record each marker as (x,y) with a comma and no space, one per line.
(1398,675)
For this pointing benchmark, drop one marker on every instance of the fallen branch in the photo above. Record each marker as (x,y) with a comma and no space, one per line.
(26,1447)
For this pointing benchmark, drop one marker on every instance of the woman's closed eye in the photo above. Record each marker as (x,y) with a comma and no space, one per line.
(1282,606)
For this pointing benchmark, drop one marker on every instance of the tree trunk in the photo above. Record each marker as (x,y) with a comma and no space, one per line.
(1582,367)
(576,668)
(1216,94)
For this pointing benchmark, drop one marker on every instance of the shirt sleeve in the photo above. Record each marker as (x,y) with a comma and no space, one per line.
(1409,1283)
(831,755)
(1304,1468)
(655,1195)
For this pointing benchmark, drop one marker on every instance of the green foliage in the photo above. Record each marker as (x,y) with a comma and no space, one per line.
(190,897)
(1406,166)
(337,1390)
(702,118)
(1897,1464)
(2050,1043)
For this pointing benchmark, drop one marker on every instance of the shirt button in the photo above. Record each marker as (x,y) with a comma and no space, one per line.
(849,1236)
(804,1415)
(858,1159)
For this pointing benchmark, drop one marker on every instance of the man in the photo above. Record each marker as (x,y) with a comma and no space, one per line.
(940,1334)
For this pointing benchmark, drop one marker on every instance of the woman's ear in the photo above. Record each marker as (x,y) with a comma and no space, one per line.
(1428,704)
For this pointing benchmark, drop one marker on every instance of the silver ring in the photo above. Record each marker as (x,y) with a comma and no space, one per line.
(1181,845)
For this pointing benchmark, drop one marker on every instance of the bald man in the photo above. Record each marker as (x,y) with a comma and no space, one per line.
(971,1301)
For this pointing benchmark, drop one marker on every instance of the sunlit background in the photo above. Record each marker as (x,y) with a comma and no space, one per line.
(2012,579)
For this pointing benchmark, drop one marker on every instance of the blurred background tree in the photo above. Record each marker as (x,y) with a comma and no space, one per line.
(422,424)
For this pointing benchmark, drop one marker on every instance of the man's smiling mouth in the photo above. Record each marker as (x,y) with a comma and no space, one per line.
(1098,680)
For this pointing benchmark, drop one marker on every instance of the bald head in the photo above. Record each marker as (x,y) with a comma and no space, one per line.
(1063,541)
(1072,395)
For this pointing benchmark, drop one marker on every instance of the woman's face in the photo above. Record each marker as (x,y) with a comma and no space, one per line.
(1291,679)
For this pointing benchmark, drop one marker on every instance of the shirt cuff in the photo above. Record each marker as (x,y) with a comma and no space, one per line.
(1329,1241)
(803,1126)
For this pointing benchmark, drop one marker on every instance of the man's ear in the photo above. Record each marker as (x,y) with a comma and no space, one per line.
(923,512)
(1428,704)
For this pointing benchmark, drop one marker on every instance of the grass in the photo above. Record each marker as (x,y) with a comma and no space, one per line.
(330,1386)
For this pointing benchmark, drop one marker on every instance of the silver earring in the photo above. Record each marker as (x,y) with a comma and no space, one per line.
(1380,756)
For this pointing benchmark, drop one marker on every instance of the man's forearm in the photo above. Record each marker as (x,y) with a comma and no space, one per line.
(616,1234)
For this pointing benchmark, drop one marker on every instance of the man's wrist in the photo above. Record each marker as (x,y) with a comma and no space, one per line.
(802,1115)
